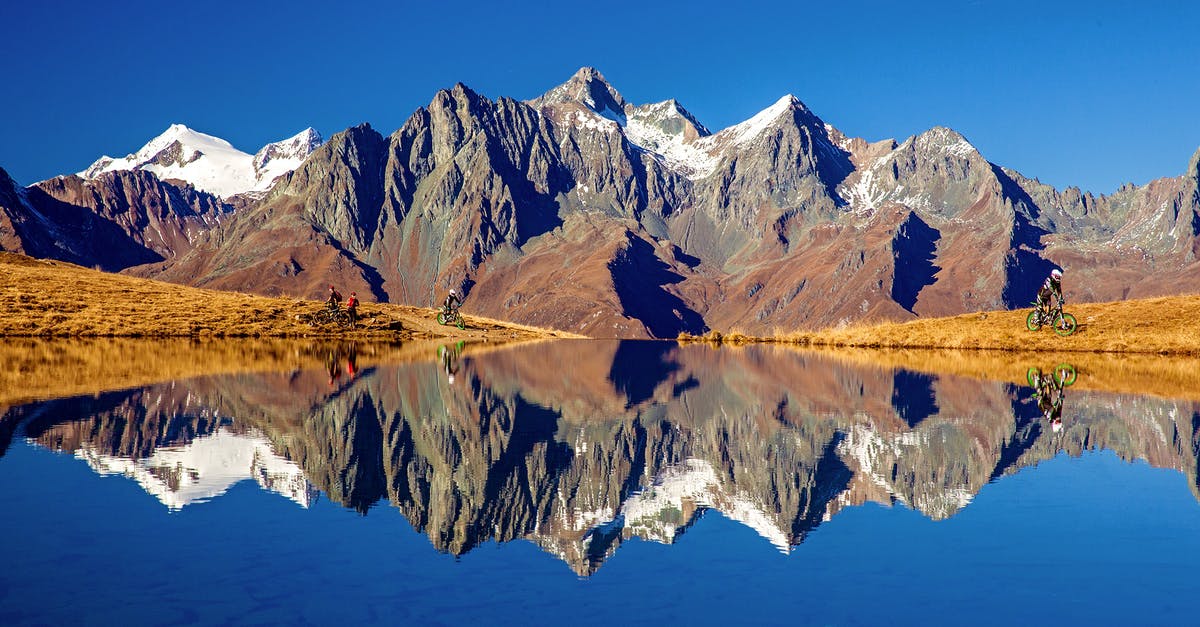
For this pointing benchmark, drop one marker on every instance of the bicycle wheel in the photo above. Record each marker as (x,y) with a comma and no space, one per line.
(1033,322)
(1065,325)
(321,317)
(441,317)
(462,324)
(1032,376)
(341,318)
(1066,374)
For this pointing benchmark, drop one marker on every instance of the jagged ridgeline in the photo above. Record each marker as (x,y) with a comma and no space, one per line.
(578,456)
(581,211)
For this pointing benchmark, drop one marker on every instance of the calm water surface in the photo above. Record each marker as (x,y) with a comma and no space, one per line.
(599,482)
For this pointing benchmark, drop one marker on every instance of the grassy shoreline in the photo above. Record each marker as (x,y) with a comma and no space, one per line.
(44,298)
(1163,326)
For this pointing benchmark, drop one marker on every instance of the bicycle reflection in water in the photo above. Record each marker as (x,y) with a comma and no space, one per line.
(448,356)
(1048,389)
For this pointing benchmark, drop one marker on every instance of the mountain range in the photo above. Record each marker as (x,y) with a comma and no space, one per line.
(581,211)
(637,439)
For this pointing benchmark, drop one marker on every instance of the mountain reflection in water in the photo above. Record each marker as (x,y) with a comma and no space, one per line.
(579,446)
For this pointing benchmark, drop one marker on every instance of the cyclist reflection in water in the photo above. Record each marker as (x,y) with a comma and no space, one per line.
(1048,390)
(333,366)
(333,362)
(448,355)
(352,361)
(1050,405)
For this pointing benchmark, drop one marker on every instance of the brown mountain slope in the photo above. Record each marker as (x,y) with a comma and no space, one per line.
(53,298)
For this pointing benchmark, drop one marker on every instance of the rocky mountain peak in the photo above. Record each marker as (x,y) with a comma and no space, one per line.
(459,101)
(293,149)
(668,117)
(787,107)
(589,88)
(943,140)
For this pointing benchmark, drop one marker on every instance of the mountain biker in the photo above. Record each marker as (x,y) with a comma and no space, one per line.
(335,298)
(452,301)
(352,308)
(1051,287)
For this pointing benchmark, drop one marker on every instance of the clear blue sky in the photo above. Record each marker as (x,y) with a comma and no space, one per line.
(1092,94)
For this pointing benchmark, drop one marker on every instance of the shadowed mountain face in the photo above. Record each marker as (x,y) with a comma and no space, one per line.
(115,221)
(581,211)
(578,455)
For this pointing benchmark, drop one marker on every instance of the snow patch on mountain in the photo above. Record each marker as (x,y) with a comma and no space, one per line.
(671,133)
(591,120)
(206,468)
(874,454)
(210,163)
(873,186)
(656,513)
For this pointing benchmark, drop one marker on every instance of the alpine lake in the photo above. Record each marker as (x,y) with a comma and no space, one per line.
(592,482)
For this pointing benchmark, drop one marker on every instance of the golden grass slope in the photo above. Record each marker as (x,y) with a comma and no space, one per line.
(1167,376)
(45,368)
(57,299)
(1168,325)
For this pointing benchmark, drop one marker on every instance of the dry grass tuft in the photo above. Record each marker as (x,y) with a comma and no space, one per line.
(713,337)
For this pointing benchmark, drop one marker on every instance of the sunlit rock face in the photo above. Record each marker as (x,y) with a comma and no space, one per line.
(579,452)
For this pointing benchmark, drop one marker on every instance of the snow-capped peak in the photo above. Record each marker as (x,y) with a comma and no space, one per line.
(748,130)
(283,156)
(210,163)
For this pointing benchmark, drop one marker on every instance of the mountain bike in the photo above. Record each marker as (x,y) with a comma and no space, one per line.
(1063,323)
(450,316)
(331,316)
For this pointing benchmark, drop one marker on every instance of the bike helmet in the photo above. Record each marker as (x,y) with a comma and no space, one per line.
(1056,274)
(354,293)
(452,292)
